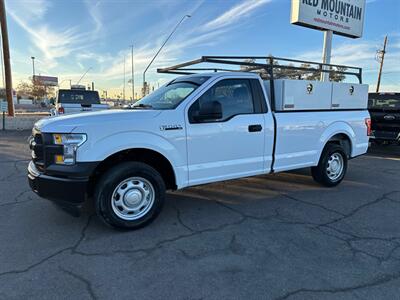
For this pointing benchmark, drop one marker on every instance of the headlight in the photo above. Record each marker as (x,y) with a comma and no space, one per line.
(71,142)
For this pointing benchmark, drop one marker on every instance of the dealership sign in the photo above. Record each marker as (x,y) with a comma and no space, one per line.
(344,17)
(46,80)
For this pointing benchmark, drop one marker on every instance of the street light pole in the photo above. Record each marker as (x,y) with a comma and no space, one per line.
(132,79)
(159,50)
(33,67)
(124,80)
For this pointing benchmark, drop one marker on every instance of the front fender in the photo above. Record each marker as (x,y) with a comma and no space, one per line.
(99,150)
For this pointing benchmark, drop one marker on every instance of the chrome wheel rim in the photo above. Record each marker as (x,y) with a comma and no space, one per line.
(335,166)
(133,198)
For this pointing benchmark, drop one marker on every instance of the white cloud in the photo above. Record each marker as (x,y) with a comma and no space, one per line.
(53,43)
(234,14)
(363,54)
(93,7)
(360,54)
(30,9)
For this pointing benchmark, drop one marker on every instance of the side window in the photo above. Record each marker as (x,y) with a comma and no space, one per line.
(233,96)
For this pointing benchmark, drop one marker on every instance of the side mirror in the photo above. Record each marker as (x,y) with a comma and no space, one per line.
(209,111)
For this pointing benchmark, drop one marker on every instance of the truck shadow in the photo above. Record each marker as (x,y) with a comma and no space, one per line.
(387,151)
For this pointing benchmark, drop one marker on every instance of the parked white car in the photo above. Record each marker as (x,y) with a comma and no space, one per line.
(196,129)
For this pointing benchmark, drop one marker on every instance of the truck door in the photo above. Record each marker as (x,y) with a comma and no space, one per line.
(225,133)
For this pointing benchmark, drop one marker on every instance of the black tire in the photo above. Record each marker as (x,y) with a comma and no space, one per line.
(321,174)
(113,178)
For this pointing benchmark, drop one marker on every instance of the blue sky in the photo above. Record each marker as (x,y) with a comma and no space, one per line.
(69,36)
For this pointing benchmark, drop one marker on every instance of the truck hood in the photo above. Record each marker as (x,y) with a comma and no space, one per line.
(67,123)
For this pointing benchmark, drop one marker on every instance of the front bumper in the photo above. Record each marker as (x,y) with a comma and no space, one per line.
(65,192)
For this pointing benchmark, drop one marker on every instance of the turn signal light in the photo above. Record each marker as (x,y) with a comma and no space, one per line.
(59,159)
(368,124)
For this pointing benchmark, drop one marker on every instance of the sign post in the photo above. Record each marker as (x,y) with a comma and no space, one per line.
(4,109)
(326,56)
(342,17)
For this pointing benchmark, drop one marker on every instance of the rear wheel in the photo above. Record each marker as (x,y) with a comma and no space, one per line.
(130,195)
(332,166)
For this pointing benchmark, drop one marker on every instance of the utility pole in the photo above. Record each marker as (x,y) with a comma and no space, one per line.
(133,78)
(6,54)
(123,94)
(380,55)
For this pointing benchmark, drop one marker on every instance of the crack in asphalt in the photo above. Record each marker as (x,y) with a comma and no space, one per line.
(85,281)
(74,248)
(17,197)
(233,247)
(179,218)
(160,244)
(15,172)
(58,252)
(373,283)
(348,238)
(354,250)
(357,209)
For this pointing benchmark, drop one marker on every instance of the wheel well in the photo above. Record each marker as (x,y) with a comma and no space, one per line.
(343,140)
(150,157)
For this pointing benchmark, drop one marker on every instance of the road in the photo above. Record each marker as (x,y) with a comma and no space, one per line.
(268,237)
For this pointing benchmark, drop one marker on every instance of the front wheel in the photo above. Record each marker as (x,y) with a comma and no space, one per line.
(332,166)
(130,195)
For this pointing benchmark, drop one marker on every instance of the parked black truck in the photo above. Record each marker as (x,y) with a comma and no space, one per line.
(384,109)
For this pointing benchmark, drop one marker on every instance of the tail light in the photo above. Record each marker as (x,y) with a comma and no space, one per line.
(61,110)
(368,124)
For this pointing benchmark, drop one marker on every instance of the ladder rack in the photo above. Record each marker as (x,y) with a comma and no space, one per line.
(269,67)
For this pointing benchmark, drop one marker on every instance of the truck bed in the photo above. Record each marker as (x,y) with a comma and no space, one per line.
(301,136)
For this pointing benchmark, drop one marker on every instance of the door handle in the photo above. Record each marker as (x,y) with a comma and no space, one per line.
(255,128)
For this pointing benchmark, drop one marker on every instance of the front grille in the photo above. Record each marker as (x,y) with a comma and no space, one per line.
(43,150)
(37,147)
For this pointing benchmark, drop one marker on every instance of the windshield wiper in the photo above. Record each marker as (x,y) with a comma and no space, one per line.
(142,105)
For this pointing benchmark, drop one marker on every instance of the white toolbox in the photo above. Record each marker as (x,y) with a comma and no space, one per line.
(349,96)
(296,95)
(301,94)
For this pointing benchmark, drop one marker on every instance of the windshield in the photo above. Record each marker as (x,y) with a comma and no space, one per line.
(169,96)
(384,101)
(77,96)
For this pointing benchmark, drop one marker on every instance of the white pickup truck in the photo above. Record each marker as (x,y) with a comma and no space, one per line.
(197,129)
(77,100)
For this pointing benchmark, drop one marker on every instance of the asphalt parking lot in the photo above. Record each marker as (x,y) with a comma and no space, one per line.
(269,237)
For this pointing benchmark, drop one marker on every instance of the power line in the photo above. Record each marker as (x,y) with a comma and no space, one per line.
(159,50)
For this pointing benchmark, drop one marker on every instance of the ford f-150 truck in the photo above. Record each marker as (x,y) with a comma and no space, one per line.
(197,129)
